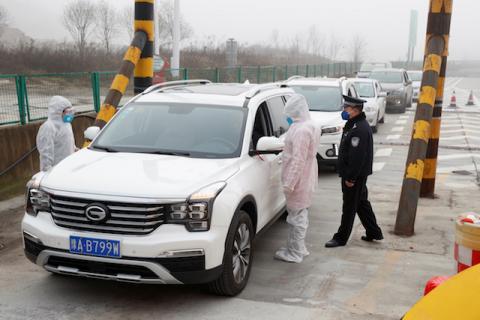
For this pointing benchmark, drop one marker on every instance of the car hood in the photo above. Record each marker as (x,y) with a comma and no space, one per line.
(389,87)
(137,175)
(325,119)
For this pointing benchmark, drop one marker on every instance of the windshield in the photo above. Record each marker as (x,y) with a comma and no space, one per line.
(365,89)
(372,66)
(387,76)
(321,98)
(200,131)
(415,75)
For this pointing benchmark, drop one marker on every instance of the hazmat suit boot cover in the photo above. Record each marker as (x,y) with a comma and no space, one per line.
(55,140)
(296,249)
(299,157)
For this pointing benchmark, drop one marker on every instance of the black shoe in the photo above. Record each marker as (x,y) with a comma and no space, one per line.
(333,244)
(370,239)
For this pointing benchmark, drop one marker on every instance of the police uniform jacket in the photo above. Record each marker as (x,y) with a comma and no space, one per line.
(355,157)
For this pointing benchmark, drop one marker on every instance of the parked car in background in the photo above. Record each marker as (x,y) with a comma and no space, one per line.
(367,67)
(398,87)
(371,91)
(173,190)
(416,77)
(324,97)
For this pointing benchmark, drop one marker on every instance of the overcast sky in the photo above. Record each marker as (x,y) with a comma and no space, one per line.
(382,23)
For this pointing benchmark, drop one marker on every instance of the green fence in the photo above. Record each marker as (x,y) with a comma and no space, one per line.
(24,98)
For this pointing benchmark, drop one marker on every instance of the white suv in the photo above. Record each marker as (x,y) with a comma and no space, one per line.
(173,189)
(324,97)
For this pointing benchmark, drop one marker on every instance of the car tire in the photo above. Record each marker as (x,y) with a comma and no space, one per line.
(375,127)
(239,253)
(382,120)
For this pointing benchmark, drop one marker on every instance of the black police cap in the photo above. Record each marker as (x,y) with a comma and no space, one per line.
(353,102)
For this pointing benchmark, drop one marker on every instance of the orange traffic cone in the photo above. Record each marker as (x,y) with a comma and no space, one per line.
(453,101)
(471,101)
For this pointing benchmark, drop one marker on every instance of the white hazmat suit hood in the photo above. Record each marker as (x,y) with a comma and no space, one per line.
(55,139)
(299,176)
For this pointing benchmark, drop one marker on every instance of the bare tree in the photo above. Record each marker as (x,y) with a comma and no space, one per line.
(315,42)
(3,19)
(165,25)
(334,47)
(126,20)
(357,49)
(106,24)
(275,38)
(79,19)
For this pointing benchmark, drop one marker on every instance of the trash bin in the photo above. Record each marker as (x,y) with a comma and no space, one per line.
(467,241)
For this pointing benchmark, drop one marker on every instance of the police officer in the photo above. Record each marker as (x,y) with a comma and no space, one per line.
(355,161)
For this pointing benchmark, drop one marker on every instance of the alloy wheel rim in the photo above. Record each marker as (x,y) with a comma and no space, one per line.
(241,253)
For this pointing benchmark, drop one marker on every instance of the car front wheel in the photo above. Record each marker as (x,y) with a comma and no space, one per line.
(237,260)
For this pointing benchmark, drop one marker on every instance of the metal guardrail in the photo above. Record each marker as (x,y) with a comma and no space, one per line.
(24,98)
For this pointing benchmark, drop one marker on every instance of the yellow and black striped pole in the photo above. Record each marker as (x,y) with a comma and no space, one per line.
(120,82)
(430,171)
(144,21)
(436,45)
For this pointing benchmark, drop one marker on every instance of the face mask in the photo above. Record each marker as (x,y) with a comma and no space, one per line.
(345,115)
(68,118)
(290,121)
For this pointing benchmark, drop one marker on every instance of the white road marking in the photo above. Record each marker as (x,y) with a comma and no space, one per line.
(461,131)
(393,137)
(404,117)
(398,129)
(458,156)
(460,137)
(466,126)
(378,166)
(385,152)
(401,122)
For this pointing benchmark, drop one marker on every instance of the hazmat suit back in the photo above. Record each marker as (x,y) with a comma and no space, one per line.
(55,140)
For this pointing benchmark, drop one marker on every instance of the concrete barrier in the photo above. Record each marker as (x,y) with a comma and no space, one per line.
(16,141)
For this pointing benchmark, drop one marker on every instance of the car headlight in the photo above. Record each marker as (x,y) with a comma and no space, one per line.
(196,212)
(398,91)
(36,199)
(331,130)
(369,109)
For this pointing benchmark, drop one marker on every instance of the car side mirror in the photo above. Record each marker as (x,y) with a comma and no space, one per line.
(383,94)
(268,145)
(91,133)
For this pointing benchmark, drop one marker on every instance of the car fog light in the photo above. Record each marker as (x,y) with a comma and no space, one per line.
(330,153)
(198,226)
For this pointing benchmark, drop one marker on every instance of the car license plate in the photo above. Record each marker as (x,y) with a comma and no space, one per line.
(95,247)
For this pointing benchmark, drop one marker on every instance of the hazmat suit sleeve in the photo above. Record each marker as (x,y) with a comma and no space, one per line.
(46,146)
(296,168)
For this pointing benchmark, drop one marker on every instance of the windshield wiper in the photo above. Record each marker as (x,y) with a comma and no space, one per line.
(168,153)
(107,149)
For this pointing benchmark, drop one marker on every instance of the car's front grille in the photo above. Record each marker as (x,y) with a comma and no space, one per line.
(122,218)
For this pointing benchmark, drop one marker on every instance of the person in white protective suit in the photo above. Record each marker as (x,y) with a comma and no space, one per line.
(55,140)
(299,176)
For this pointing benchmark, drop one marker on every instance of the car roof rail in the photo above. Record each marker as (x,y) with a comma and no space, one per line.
(175,84)
(261,88)
(295,77)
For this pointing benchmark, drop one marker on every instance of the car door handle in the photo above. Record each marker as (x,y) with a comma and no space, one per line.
(280,161)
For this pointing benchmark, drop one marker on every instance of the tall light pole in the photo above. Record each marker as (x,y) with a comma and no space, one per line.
(175,61)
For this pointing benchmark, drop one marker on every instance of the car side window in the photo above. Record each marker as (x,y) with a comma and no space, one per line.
(276,107)
(261,125)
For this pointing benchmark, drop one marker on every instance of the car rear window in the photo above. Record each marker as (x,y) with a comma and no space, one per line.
(321,98)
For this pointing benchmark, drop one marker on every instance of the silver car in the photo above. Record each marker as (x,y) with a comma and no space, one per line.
(398,86)
(416,77)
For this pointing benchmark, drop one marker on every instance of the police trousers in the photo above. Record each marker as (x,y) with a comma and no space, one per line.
(355,201)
